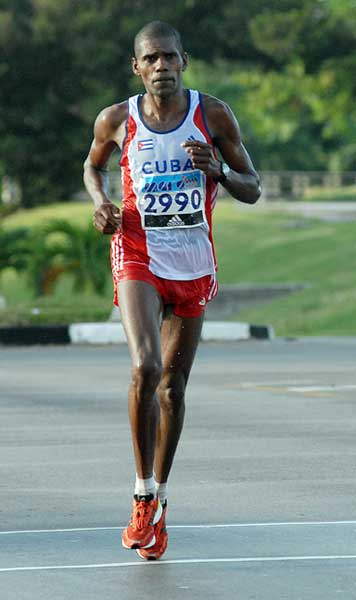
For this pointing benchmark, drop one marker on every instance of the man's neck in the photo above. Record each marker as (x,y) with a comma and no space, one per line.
(162,110)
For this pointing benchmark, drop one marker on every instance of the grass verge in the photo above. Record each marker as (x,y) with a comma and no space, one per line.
(254,245)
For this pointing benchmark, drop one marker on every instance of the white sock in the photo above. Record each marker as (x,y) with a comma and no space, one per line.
(143,487)
(162,491)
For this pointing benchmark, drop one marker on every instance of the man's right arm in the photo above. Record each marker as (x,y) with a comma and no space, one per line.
(108,135)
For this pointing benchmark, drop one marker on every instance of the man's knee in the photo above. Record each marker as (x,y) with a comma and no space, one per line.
(146,374)
(171,393)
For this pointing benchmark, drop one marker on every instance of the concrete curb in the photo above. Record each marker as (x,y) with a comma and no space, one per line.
(113,333)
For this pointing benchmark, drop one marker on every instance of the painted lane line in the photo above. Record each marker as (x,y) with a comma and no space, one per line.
(206,526)
(184,561)
(268,524)
(321,388)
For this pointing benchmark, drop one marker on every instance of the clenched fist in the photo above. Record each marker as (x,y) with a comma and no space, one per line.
(202,157)
(107,218)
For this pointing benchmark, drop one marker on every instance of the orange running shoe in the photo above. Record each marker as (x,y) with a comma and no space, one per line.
(140,531)
(155,552)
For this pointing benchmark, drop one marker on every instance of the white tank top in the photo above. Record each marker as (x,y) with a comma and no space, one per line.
(167,204)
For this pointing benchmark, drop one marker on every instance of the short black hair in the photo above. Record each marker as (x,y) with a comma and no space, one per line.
(158,29)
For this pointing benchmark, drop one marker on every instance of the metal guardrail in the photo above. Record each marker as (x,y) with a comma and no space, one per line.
(284,184)
(276,185)
(295,184)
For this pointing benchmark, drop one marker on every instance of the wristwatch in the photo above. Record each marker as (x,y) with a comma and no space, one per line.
(224,171)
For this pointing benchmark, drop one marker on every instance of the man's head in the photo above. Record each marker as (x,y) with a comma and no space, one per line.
(154,30)
(159,58)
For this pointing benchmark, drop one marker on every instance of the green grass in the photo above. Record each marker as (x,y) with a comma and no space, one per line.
(259,246)
(254,245)
(64,306)
(75,212)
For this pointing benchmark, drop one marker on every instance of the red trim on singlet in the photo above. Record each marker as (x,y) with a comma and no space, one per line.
(211,185)
(199,121)
(134,246)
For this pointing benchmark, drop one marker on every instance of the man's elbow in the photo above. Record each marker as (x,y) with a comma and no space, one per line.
(87,164)
(252,193)
(255,193)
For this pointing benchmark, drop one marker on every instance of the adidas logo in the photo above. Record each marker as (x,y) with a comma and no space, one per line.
(175,221)
(202,302)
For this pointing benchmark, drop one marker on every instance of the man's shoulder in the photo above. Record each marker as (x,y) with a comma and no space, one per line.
(214,105)
(113,116)
(218,113)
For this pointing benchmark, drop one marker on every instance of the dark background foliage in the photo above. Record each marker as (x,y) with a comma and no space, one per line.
(286,68)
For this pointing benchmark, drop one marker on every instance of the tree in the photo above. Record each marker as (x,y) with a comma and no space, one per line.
(61,62)
(61,248)
(14,249)
(40,131)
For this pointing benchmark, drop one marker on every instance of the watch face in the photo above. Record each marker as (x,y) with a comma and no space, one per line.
(225,169)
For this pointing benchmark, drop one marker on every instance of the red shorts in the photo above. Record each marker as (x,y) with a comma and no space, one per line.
(188,297)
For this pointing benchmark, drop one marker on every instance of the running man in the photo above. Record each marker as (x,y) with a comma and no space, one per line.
(162,251)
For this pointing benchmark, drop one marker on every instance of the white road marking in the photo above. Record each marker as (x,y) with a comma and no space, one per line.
(289,386)
(207,526)
(321,388)
(184,561)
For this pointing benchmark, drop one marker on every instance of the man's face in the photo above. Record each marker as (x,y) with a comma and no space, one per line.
(159,63)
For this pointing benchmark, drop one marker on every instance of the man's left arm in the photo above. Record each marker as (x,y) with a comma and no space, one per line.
(242,180)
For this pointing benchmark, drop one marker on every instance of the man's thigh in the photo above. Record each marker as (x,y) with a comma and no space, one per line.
(141,309)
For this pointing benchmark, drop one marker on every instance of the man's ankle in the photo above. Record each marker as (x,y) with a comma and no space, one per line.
(144,487)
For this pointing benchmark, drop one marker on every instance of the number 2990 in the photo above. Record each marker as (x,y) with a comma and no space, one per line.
(163,202)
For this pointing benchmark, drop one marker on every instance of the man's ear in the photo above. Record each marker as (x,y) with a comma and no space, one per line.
(185,61)
(134,66)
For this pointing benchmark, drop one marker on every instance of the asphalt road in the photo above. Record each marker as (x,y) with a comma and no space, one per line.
(262,499)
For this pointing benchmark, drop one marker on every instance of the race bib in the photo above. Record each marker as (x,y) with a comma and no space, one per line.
(172,200)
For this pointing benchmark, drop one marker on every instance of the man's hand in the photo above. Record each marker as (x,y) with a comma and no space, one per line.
(203,157)
(107,218)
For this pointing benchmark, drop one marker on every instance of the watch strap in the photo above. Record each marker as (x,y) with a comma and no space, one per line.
(222,177)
